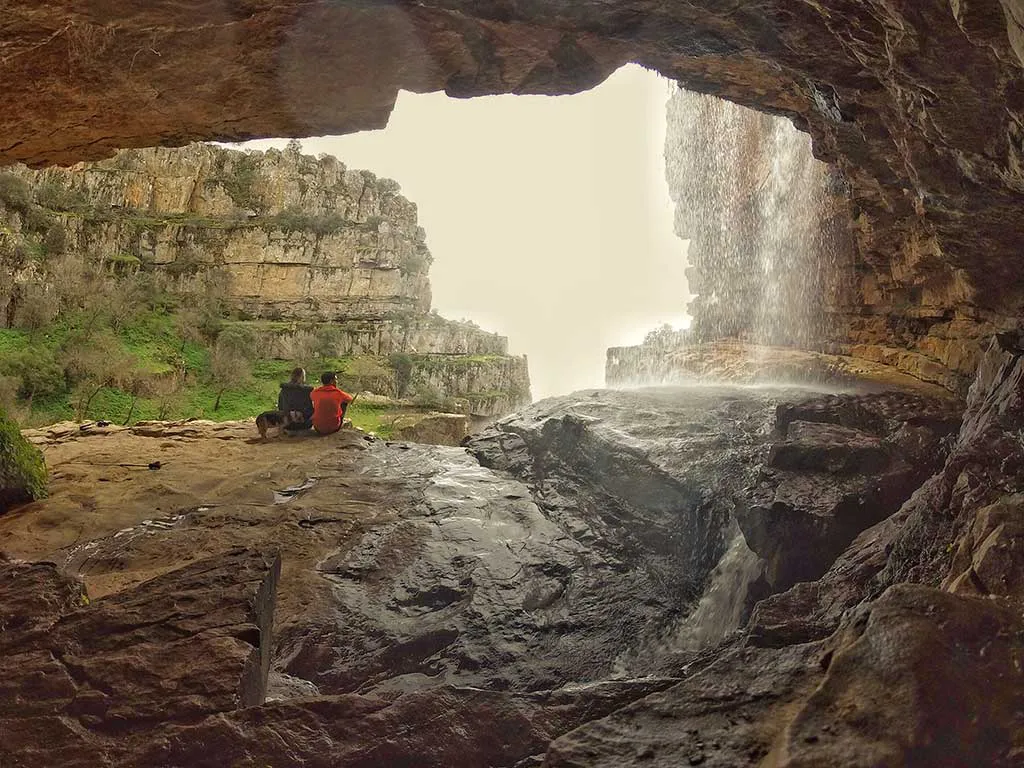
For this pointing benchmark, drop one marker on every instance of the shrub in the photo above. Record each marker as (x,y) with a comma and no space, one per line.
(402,365)
(327,223)
(38,219)
(37,371)
(22,469)
(416,263)
(56,195)
(56,240)
(15,191)
(240,181)
(328,339)
(291,219)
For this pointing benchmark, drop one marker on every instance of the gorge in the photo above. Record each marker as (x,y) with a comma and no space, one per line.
(525,600)
(302,259)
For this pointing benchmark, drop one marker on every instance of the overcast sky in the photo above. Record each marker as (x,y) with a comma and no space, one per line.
(549,219)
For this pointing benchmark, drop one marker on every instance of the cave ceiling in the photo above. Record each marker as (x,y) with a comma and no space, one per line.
(919,103)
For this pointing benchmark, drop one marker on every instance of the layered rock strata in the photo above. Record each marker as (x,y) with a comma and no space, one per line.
(312,258)
(295,237)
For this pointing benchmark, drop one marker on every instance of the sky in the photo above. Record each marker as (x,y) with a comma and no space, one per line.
(549,218)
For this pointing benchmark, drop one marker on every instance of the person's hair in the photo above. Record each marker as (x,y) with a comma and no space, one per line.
(298,375)
(328,378)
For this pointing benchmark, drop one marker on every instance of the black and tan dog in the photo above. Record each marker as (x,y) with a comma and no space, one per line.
(279,420)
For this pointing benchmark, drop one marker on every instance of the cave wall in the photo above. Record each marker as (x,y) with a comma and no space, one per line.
(919,103)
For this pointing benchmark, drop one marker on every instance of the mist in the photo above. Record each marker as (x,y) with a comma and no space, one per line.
(549,218)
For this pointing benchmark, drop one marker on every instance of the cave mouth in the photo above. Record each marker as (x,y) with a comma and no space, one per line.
(566,199)
(586,205)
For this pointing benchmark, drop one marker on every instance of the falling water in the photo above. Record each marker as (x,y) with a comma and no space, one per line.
(763,217)
(723,605)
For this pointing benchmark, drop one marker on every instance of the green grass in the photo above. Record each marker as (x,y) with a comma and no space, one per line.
(158,350)
(372,418)
(13,341)
(160,353)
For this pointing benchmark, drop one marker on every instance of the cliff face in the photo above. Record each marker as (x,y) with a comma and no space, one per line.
(296,237)
(312,260)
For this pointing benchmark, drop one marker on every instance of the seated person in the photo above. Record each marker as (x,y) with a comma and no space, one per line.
(329,405)
(294,396)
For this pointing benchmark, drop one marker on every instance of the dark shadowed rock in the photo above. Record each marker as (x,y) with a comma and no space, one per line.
(919,678)
(173,650)
(437,728)
(726,713)
(840,464)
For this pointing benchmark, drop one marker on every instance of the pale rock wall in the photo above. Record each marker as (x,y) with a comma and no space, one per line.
(493,386)
(298,237)
(416,335)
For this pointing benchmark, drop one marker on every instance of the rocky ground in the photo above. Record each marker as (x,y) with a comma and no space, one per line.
(563,591)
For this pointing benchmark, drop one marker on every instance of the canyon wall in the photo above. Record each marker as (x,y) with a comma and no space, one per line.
(295,236)
(312,259)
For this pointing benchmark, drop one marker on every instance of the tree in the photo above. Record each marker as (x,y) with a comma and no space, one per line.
(94,364)
(38,373)
(168,392)
(136,383)
(230,362)
(402,365)
(328,339)
(35,306)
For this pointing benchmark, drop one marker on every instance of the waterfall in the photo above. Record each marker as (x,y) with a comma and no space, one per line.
(723,606)
(764,218)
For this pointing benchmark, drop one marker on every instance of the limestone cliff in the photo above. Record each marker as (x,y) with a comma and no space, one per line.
(296,236)
(313,259)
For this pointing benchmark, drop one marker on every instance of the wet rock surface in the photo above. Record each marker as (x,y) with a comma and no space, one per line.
(837,466)
(521,601)
(84,683)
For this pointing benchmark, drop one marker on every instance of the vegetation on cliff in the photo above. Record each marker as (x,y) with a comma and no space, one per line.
(130,290)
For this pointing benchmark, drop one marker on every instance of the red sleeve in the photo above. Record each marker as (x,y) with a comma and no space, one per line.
(346,398)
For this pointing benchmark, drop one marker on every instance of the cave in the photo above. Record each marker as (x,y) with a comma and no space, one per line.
(899,646)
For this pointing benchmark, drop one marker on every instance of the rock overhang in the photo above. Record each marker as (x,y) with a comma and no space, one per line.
(918,104)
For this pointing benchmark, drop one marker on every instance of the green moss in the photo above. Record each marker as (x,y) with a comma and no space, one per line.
(22,469)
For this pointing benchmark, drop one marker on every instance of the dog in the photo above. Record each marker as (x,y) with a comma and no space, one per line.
(278,420)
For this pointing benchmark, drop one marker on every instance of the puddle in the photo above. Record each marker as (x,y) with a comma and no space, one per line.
(152,526)
(286,495)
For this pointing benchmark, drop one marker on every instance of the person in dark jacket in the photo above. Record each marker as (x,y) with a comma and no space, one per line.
(294,396)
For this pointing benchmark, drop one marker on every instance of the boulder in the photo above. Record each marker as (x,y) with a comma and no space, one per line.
(918,678)
(185,645)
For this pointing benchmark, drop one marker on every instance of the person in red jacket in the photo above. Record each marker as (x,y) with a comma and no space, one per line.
(329,405)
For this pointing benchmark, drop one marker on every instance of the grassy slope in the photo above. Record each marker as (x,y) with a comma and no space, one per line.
(158,351)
